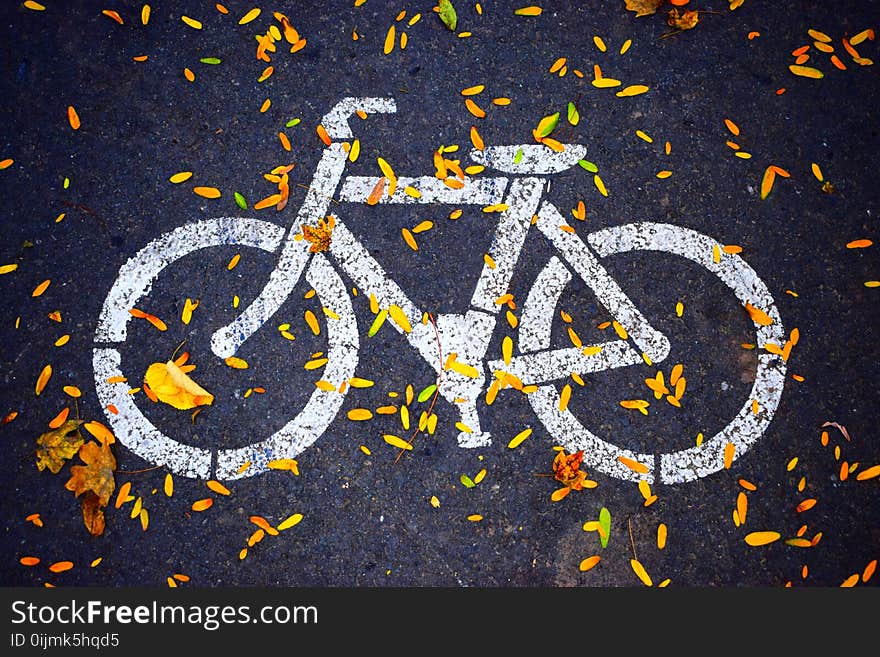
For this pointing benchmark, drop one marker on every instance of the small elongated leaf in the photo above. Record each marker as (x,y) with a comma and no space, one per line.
(240,201)
(210,60)
(466,481)
(447,14)
(574,116)
(546,125)
(425,394)
(377,323)
(605,526)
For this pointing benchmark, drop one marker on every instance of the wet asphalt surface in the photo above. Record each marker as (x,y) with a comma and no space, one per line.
(367,519)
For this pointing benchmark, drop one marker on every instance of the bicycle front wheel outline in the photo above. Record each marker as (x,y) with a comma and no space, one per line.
(135,279)
(692,463)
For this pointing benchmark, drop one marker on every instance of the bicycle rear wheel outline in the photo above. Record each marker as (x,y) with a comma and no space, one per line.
(135,279)
(684,465)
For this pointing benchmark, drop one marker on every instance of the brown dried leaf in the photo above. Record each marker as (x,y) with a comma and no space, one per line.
(97,473)
(57,446)
(320,235)
(643,7)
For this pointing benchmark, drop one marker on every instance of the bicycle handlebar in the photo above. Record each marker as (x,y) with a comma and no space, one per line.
(335,121)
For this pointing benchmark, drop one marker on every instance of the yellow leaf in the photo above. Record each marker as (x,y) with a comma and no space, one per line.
(235,363)
(399,318)
(57,446)
(643,7)
(394,441)
(171,386)
(639,570)
(284,464)
(806,71)
(290,522)
(632,90)
(531,10)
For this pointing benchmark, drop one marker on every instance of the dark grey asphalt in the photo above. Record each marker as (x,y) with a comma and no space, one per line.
(368,520)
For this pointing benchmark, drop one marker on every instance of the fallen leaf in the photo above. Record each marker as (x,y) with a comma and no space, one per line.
(319,236)
(172,386)
(758,316)
(447,14)
(588,563)
(59,445)
(643,7)
(840,427)
(762,538)
(566,468)
(95,481)
(639,570)
(687,20)
(604,526)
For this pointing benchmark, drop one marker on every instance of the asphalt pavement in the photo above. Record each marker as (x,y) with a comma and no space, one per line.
(722,108)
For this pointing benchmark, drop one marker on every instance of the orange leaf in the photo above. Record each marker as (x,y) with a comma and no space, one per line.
(635,466)
(762,538)
(589,562)
(61,566)
(43,379)
(29,561)
(767,182)
(758,316)
(377,192)
(868,473)
(73,117)
(560,493)
(202,505)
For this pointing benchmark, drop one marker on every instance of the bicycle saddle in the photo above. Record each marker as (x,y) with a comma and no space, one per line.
(528,159)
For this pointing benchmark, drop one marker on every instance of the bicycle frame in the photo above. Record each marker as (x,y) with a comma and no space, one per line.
(466,335)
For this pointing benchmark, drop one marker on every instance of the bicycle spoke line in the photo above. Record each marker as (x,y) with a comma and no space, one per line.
(608,292)
(323,405)
(507,243)
(291,262)
(557,364)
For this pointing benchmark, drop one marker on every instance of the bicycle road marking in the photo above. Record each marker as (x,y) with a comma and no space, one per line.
(134,429)
(684,465)
(468,335)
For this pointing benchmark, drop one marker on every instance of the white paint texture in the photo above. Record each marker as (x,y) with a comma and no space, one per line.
(138,434)
(467,335)
(676,467)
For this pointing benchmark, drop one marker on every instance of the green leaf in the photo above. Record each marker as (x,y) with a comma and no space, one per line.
(574,116)
(210,60)
(605,524)
(240,201)
(447,14)
(425,394)
(518,156)
(467,481)
(291,123)
(589,166)
(547,125)
(377,323)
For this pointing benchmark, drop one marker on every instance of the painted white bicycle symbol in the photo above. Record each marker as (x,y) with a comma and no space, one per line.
(468,334)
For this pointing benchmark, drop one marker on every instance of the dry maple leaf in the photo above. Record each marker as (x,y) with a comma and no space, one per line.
(566,468)
(643,7)
(687,20)
(57,446)
(172,386)
(95,482)
(319,235)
